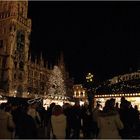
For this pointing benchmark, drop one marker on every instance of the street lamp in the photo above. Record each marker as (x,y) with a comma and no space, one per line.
(89,77)
(90,94)
(89,80)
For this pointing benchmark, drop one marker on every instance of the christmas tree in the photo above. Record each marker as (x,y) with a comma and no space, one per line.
(56,83)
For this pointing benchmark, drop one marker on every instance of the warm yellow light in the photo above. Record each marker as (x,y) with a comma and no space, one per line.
(89,77)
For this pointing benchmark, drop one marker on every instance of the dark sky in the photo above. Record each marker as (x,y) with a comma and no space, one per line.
(98,37)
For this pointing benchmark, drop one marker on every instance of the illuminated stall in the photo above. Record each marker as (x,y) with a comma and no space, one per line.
(134,98)
(57,99)
(3,99)
(127,85)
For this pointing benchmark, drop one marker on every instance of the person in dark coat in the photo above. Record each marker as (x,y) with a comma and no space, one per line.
(16,112)
(67,111)
(136,122)
(76,120)
(125,116)
(27,128)
(48,120)
(87,122)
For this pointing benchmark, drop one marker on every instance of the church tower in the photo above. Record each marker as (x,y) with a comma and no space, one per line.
(61,62)
(15,29)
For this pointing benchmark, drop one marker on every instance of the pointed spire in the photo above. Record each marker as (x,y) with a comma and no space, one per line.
(35,60)
(57,61)
(61,58)
(30,57)
(50,66)
(46,64)
(41,60)
(61,63)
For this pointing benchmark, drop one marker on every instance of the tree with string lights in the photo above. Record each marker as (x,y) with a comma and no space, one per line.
(56,82)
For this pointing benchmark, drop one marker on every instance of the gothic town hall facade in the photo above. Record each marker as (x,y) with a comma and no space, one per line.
(19,75)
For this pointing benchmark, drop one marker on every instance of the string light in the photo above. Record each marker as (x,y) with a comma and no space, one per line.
(35,100)
(56,82)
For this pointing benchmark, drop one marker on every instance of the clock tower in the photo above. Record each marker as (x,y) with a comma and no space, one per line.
(15,29)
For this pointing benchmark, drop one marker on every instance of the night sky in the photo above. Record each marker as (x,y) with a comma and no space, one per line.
(98,37)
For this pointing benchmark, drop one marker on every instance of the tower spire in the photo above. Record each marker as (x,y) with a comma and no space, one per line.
(35,60)
(61,62)
(30,57)
(16,28)
(46,64)
(41,60)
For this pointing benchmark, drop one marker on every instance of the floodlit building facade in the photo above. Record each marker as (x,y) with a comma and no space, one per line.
(79,92)
(19,75)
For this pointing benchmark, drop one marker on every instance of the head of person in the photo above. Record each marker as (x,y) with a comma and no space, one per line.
(66,105)
(129,104)
(14,106)
(122,98)
(25,108)
(108,106)
(57,110)
(33,105)
(136,107)
(117,105)
(86,105)
(98,105)
(112,102)
(8,108)
(77,104)
(2,106)
(52,105)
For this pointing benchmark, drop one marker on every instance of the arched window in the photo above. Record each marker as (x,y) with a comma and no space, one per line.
(15,76)
(1,43)
(21,66)
(20,77)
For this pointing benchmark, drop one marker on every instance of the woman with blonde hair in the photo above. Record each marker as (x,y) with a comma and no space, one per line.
(58,121)
(109,122)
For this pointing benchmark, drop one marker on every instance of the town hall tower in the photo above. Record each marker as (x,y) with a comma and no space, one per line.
(15,29)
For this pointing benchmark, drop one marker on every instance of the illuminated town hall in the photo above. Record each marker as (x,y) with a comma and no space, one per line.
(20,76)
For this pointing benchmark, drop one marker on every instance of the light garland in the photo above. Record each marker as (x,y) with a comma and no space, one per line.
(35,100)
(118,95)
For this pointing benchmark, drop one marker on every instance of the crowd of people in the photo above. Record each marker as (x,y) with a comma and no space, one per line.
(32,121)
